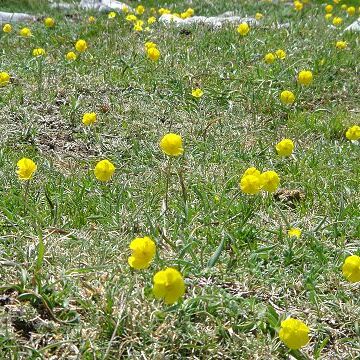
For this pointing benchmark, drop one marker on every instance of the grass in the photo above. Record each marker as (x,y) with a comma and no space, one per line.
(66,288)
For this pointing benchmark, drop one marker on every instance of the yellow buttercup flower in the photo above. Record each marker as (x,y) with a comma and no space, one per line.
(190,12)
(343,7)
(153,54)
(140,9)
(294,232)
(351,10)
(104,170)
(25,32)
(198,93)
(111,15)
(142,253)
(259,16)
(353,133)
(341,45)
(7,28)
(81,45)
(91,19)
(49,22)
(4,78)
(70,56)
(294,333)
(328,17)
(337,21)
(171,144)
(270,180)
(269,58)
(252,171)
(89,118)
(149,45)
(285,147)
(305,77)
(243,29)
(169,285)
(250,184)
(26,169)
(151,20)
(184,15)
(351,268)
(38,52)
(280,54)
(163,11)
(287,97)
(125,9)
(329,8)
(138,26)
(131,17)
(298,5)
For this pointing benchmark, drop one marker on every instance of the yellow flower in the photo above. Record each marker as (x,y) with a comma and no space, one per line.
(198,93)
(153,54)
(341,45)
(269,58)
(190,12)
(153,11)
(343,7)
(298,5)
(131,17)
(140,9)
(7,28)
(4,78)
(336,1)
(138,26)
(142,253)
(328,17)
(49,22)
(294,333)
(329,8)
(104,170)
(270,180)
(111,15)
(294,232)
(280,54)
(351,268)
(91,19)
(25,32)
(171,144)
(252,171)
(351,10)
(125,9)
(149,45)
(81,45)
(169,285)
(305,77)
(353,133)
(184,15)
(89,118)
(250,184)
(38,52)
(243,29)
(337,21)
(259,16)
(151,20)
(26,169)
(70,56)
(285,147)
(163,11)
(287,97)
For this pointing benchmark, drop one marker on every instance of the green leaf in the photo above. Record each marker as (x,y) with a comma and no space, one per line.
(213,260)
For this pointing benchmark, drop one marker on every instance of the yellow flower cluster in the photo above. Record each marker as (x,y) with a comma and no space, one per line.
(253,181)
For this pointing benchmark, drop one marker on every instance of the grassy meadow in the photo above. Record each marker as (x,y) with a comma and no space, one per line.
(66,288)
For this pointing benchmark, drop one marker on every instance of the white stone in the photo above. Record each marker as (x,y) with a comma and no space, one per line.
(6,17)
(355,26)
(214,21)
